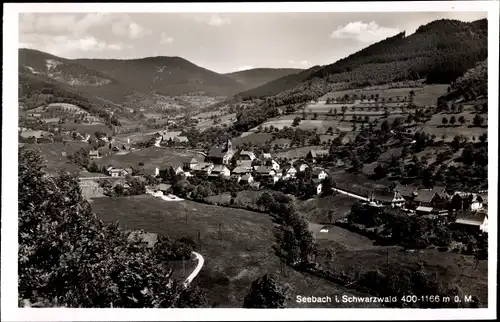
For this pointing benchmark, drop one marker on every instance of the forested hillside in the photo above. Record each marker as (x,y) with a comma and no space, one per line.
(440,52)
(256,77)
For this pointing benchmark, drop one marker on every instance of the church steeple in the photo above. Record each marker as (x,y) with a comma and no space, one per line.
(229,145)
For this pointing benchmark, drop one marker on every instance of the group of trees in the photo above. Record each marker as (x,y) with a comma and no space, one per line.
(68,257)
(453,120)
(295,243)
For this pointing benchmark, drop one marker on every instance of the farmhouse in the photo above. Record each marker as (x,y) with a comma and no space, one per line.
(239,172)
(425,198)
(202,168)
(264,172)
(313,155)
(473,221)
(387,198)
(220,171)
(246,179)
(301,166)
(272,163)
(118,172)
(189,164)
(281,143)
(94,154)
(243,155)
(406,191)
(220,154)
(289,172)
(266,156)
(319,174)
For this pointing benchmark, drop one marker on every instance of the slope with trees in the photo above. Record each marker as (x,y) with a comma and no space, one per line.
(256,77)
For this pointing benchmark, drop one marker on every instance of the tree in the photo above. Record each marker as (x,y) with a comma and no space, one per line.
(80,157)
(478,120)
(452,120)
(483,138)
(93,167)
(265,292)
(315,116)
(296,121)
(444,120)
(68,257)
(461,120)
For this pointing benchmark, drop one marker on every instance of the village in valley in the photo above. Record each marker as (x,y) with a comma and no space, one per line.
(355,180)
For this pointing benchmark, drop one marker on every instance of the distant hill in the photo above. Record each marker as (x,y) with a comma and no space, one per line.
(256,77)
(113,79)
(440,52)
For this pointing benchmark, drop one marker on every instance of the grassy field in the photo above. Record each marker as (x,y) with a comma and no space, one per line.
(297,153)
(152,156)
(54,158)
(254,138)
(446,266)
(226,119)
(232,262)
(86,128)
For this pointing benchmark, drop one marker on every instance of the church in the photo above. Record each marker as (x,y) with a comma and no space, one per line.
(221,154)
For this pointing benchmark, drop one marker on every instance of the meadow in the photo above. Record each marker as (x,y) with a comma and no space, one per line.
(236,245)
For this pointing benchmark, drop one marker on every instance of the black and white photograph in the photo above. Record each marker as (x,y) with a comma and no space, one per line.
(200,157)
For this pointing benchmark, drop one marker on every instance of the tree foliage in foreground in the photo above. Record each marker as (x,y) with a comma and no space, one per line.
(68,257)
(266,293)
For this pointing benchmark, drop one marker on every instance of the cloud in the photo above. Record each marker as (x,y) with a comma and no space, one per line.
(304,62)
(363,32)
(244,68)
(291,61)
(66,46)
(165,39)
(130,29)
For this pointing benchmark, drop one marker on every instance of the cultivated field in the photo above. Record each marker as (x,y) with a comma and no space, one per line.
(225,119)
(297,153)
(233,259)
(86,128)
(254,138)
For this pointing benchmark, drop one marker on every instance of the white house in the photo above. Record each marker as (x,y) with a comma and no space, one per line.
(289,172)
(301,166)
(247,178)
(273,164)
(190,163)
(118,172)
(220,171)
(178,169)
(202,168)
(319,174)
(319,188)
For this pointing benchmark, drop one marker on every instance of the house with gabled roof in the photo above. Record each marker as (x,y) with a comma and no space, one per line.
(189,163)
(288,172)
(202,168)
(425,197)
(473,221)
(406,191)
(219,171)
(319,174)
(246,179)
(387,198)
(313,155)
(264,173)
(301,165)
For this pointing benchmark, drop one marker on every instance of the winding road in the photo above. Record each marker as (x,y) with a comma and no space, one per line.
(190,278)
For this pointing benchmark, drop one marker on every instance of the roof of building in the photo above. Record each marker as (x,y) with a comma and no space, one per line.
(475,218)
(219,168)
(244,152)
(240,170)
(181,139)
(190,160)
(266,155)
(406,190)
(263,169)
(424,209)
(440,191)
(288,167)
(385,195)
(246,177)
(425,195)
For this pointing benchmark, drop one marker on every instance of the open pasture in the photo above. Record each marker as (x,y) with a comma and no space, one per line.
(236,245)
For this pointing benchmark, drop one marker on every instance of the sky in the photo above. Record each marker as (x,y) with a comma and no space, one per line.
(222,42)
